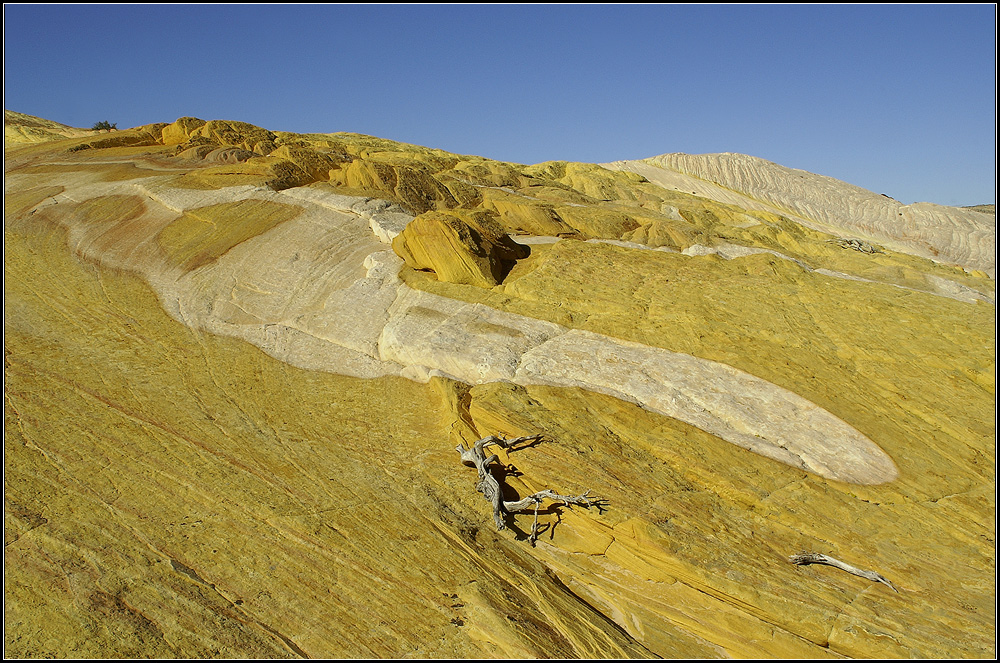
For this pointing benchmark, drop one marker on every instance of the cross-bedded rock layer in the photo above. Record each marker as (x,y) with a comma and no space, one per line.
(173,491)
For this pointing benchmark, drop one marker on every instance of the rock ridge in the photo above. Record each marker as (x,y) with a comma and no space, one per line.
(231,410)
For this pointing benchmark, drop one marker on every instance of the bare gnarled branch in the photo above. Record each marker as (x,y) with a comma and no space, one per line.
(805,558)
(488,485)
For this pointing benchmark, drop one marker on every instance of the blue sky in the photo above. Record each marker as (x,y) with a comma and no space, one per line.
(898,99)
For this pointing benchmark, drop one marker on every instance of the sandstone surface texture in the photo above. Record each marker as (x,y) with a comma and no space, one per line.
(965,236)
(238,363)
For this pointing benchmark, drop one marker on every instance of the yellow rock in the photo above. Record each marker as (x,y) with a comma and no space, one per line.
(413,187)
(180,130)
(272,172)
(483,172)
(19,128)
(592,180)
(949,234)
(523,215)
(315,165)
(200,236)
(144,136)
(460,247)
(466,195)
(171,492)
(596,221)
(240,134)
(671,233)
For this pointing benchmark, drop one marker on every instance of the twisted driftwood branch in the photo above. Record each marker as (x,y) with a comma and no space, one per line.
(857,245)
(819,558)
(488,485)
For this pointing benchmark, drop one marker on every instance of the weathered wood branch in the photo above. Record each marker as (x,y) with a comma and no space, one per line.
(819,558)
(488,485)
(857,245)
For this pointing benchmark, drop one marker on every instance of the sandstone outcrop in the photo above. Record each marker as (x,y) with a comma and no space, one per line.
(963,236)
(413,186)
(231,413)
(179,131)
(468,248)
(21,128)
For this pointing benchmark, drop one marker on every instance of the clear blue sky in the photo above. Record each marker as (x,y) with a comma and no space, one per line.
(898,99)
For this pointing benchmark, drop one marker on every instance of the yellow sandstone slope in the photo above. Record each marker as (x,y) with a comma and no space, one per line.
(21,128)
(962,235)
(231,410)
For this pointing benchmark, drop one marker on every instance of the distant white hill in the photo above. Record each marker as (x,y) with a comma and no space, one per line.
(959,235)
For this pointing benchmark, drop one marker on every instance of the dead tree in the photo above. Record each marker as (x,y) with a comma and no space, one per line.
(819,558)
(488,485)
(857,245)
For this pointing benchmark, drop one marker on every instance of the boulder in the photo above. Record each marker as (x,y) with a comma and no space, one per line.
(459,246)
